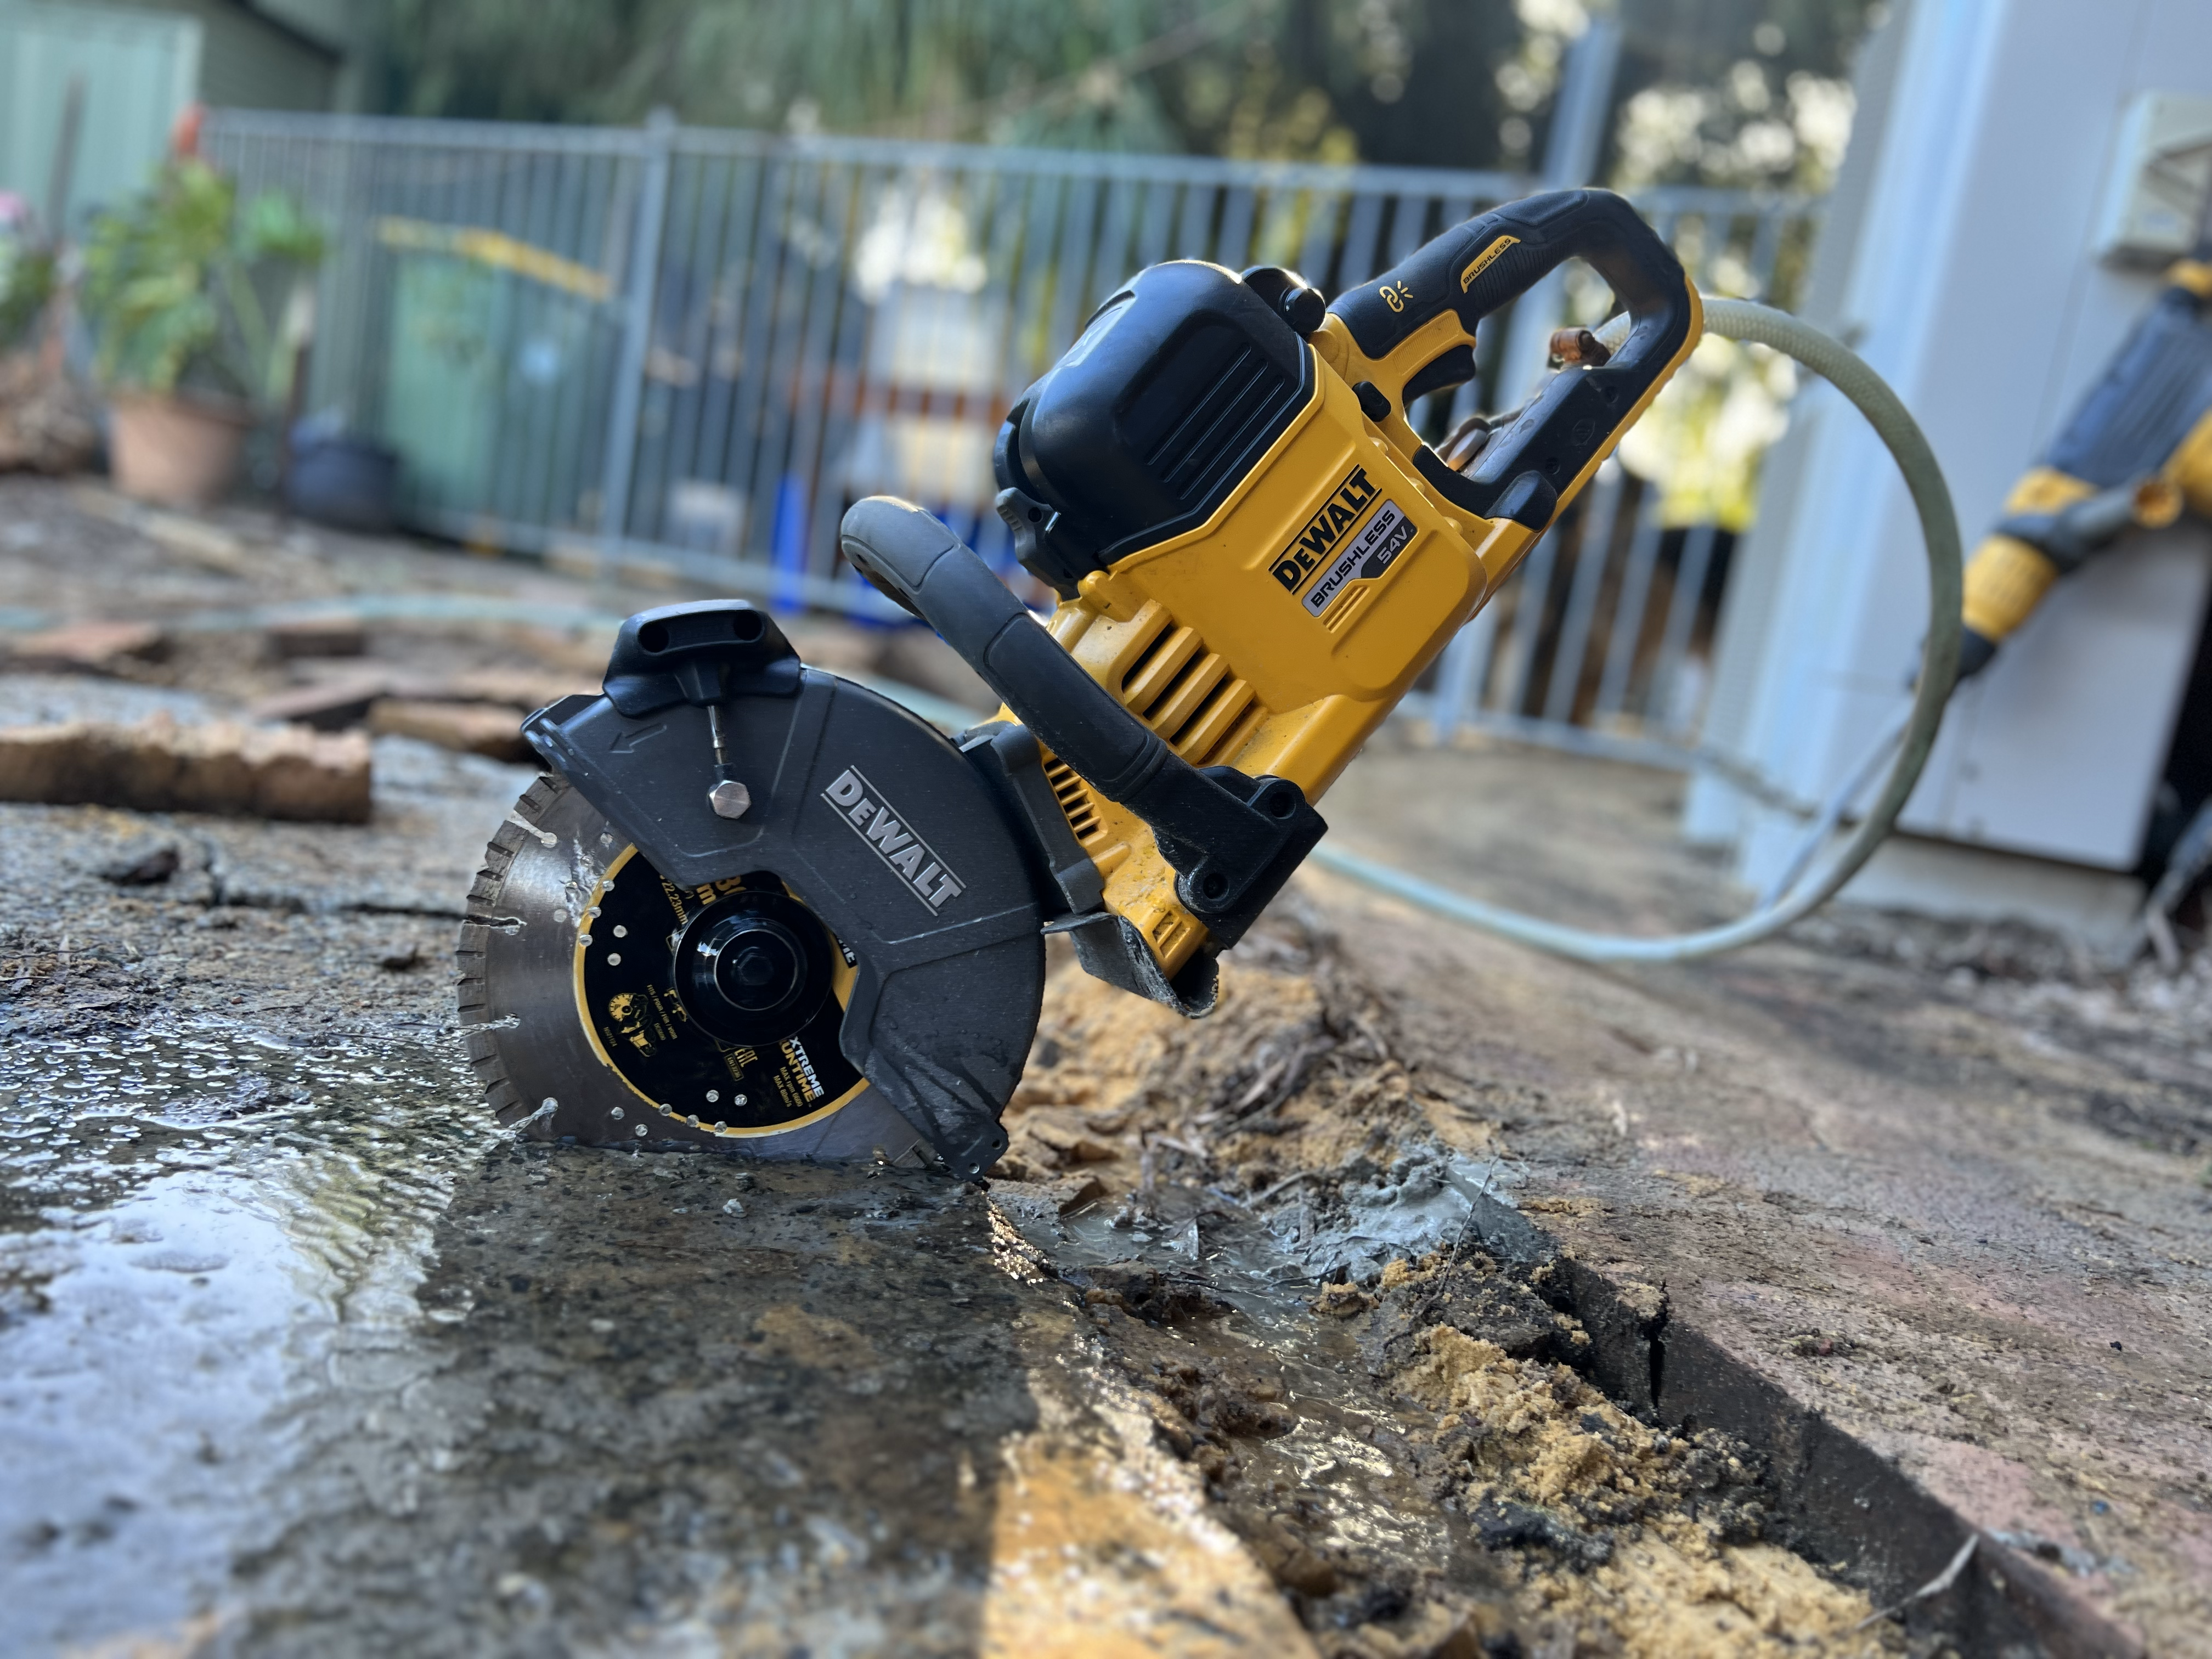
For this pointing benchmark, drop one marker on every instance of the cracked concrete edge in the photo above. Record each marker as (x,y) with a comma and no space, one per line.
(1841,1502)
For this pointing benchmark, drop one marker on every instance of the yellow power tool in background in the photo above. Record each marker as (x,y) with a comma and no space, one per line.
(2137,452)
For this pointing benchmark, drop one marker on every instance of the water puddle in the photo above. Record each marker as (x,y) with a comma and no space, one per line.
(298,1351)
(198,1230)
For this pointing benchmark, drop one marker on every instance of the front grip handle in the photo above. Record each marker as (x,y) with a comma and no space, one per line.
(1232,839)
(918,560)
(1473,270)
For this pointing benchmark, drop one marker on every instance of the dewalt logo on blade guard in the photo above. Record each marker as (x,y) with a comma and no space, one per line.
(1295,565)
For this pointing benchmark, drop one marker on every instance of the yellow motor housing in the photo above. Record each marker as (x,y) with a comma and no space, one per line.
(1275,635)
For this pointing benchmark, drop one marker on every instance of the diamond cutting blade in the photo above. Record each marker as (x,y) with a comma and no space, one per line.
(602,1002)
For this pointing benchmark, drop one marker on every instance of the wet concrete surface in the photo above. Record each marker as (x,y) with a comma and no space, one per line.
(300,1353)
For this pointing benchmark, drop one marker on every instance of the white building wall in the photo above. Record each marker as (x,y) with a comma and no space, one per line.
(1971,286)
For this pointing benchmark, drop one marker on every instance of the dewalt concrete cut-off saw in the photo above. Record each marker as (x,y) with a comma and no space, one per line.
(761,906)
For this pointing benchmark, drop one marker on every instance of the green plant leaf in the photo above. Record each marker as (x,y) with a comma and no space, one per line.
(173,282)
(273,226)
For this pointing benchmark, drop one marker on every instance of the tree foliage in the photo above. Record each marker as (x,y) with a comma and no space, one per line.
(1740,92)
(1401,81)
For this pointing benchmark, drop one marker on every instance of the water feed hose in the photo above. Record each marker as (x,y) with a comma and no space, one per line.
(1843,368)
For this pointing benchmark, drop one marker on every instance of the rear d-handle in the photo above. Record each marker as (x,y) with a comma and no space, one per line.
(1473,270)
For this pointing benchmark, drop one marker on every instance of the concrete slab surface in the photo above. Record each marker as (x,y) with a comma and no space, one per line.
(1435,1298)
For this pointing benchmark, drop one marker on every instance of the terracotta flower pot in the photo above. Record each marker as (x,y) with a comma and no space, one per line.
(177,451)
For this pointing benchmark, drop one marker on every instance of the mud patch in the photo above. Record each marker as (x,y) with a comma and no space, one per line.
(1294,1102)
(1403,1427)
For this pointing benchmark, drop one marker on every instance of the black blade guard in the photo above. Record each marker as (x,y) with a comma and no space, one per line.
(861,814)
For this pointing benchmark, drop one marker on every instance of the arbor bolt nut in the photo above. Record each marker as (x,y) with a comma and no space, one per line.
(730,798)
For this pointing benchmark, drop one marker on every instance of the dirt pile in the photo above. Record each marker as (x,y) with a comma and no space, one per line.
(1414,1488)
(1415,1452)
(1295,1082)
(1646,1543)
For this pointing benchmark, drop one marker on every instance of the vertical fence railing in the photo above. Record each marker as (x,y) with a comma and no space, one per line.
(688,349)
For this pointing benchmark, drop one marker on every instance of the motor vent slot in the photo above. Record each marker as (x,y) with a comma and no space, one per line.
(1161,672)
(1190,696)
(1075,802)
(1200,416)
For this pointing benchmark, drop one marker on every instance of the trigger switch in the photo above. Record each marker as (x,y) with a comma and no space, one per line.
(1373,403)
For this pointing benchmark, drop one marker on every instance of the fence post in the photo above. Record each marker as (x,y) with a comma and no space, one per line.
(1681,623)
(1571,154)
(643,276)
(1459,678)
(1593,553)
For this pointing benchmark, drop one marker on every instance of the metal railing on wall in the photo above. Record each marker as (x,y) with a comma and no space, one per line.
(687,350)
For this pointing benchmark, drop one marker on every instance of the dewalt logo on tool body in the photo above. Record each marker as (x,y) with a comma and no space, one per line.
(1295,565)
(1332,550)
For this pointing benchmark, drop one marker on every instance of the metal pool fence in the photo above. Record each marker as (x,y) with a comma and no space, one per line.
(688,350)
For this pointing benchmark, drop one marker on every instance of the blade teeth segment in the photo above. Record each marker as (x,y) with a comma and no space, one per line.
(486,914)
(506,842)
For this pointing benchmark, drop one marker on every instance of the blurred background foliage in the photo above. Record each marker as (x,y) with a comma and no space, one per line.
(1737,94)
(1724,92)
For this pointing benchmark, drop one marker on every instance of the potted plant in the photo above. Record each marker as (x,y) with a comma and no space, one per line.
(178,288)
